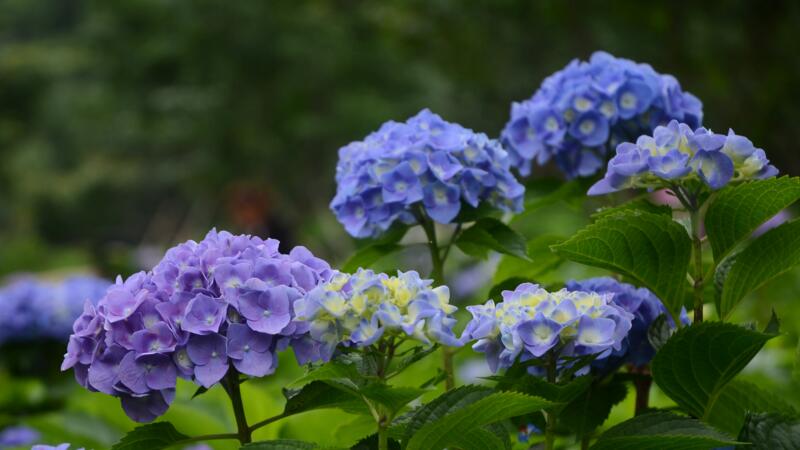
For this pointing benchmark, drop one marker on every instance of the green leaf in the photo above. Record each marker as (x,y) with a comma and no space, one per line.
(651,249)
(768,256)
(393,398)
(331,371)
(491,234)
(661,431)
(543,192)
(477,439)
(739,397)
(659,332)
(417,353)
(694,366)
(639,204)
(442,405)
(281,444)
(738,210)
(542,260)
(771,431)
(366,256)
(320,395)
(154,436)
(559,394)
(592,407)
(450,429)
(796,369)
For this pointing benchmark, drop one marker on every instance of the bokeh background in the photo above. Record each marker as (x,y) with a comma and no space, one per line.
(131,125)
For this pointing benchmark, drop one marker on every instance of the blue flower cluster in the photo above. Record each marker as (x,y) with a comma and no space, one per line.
(357,310)
(643,305)
(530,322)
(585,109)
(33,309)
(18,436)
(676,155)
(425,163)
(224,301)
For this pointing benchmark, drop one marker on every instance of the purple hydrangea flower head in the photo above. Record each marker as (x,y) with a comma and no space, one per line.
(425,163)
(356,310)
(587,108)
(226,301)
(32,309)
(531,322)
(678,155)
(643,305)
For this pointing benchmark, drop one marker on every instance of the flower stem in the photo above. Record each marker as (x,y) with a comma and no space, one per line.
(697,276)
(437,273)
(231,385)
(642,385)
(550,416)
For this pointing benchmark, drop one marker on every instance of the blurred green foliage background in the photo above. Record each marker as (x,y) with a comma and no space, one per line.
(127,126)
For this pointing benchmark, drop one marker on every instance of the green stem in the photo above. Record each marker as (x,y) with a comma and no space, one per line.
(387,351)
(231,386)
(585,441)
(266,422)
(550,416)
(437,273)
(697,275)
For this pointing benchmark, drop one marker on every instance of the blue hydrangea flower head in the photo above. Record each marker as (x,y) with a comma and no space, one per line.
(582,111)
(223,302)
(425,163)
(531,322)
(643,305)
(678,155)
(34,309)
(356,310)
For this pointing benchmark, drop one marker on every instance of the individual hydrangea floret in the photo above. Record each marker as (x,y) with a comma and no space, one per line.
(34,309)
(206,307)
(357,310)
(531,322)
(645,308)
(676,155)
(425,164)
(582,111)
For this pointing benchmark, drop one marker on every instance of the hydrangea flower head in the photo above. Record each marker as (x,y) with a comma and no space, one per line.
(530,322)
(645,308)
(585,109)
(33,309)
(223,302)
(425,163)
(677,155)
(356,310)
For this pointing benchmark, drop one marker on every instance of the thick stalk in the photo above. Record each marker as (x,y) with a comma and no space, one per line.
(550,416)
(232,388)
(697,272)
(437,273)
(387,353)
(642,385)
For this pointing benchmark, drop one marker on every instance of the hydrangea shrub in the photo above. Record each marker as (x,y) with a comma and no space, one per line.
(584,110)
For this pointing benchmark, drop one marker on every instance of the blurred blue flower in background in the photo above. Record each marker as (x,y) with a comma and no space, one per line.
(33,309)
(18,436)
(424,164)
(678,155)
(583,111)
